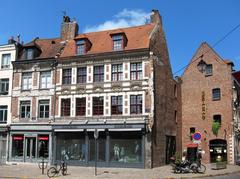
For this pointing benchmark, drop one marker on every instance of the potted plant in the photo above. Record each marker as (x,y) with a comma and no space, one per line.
(215,127)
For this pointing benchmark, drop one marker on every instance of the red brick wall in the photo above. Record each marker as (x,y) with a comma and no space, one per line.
(193,84)
(16,80)
(164,122)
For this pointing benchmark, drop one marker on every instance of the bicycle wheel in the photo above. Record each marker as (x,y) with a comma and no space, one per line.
(52,171)
(201,168)
(64,169)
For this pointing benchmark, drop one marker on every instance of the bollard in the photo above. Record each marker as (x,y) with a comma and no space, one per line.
(42,166)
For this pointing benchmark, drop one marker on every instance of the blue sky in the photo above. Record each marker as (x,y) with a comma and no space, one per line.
(187,23)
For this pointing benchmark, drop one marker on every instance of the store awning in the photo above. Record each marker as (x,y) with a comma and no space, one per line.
(192,145)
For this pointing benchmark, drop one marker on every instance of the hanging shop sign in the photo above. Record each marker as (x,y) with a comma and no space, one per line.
(17,138)
(43,138)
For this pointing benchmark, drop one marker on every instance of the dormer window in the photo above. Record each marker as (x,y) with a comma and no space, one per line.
(117,42)
(29,53)
(81,47)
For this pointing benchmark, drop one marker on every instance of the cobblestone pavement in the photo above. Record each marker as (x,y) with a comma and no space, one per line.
(31,171)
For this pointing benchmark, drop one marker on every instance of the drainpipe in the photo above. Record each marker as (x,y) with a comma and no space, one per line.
(54,67)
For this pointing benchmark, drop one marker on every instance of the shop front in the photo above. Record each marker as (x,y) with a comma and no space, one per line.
(3,145)
(115,147)
(30,146)
(218,150)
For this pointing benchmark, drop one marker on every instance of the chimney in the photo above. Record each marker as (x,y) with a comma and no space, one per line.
(11,40)
(69,29)
(155,17)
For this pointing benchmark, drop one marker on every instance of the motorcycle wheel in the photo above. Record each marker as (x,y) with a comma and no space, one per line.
(201,169)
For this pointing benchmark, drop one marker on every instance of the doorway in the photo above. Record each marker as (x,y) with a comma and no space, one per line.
(170,148)
(218,150)
(3,157)
(30,149)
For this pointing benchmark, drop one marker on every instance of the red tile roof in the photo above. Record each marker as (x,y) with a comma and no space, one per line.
(138,37)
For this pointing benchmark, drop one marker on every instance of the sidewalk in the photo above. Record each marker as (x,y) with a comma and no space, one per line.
(31,171)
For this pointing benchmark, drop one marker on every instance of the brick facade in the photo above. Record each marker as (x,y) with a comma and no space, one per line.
(198,106)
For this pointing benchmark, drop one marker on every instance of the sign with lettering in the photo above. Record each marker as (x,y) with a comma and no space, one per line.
(203,106)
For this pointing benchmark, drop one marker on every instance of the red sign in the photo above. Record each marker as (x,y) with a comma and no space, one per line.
(197,136)
(17,138)
(43,138)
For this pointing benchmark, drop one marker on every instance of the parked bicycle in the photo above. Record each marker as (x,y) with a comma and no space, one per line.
(53,171)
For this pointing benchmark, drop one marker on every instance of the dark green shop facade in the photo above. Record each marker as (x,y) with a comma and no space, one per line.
(117,145)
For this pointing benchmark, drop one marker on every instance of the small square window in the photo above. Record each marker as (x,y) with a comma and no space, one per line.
(217,118)
(216,94)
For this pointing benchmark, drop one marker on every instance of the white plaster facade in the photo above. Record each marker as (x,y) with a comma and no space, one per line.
(7,73)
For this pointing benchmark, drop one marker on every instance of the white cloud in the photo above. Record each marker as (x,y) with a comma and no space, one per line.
(125,18)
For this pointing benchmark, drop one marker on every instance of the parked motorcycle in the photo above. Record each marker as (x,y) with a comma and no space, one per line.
(187,167)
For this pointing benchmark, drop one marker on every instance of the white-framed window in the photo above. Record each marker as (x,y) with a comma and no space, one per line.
(4,86)
(45,79)
(117,72)
(26,81)
(3,114)
(117,42)
(25,109)
(136,71)
(6,60)
(43,109)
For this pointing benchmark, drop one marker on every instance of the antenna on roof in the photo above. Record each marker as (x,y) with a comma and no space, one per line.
(64,13)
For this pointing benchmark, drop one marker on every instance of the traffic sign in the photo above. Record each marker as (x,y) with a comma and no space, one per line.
(197,136)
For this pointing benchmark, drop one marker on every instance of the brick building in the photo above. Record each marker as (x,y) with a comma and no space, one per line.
(116,83)
(207,91)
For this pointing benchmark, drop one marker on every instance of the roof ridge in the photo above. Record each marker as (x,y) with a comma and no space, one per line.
(131,27)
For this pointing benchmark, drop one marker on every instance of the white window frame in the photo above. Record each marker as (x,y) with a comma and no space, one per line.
(6,60)
(26,81)
(45,79)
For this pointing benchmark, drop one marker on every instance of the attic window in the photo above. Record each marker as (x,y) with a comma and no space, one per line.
(117,42)
(81,47)
(29,53)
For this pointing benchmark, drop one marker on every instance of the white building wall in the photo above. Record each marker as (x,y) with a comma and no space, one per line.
(7,73)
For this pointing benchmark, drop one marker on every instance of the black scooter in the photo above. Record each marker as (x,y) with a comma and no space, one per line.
(184,166)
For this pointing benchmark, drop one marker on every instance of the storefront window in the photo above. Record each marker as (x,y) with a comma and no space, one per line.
(101,147)
(125,147)
(43,142)
(71,146)
(17,146)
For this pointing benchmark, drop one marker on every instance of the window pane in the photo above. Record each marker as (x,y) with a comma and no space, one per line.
(67,76)
(6,59)
(98,73)
(3,114)
(71,147)
(216,94)
(17,146)
(97,105)
(125,147)
(65,107)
